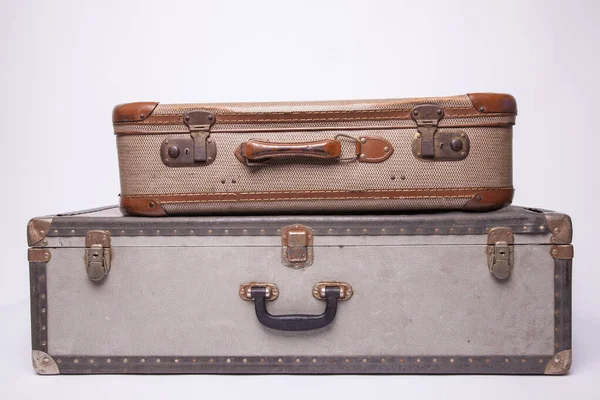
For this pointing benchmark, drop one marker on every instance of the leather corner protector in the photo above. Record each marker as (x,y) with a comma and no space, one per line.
(38,255)
(373,149)
(562,252)
(490,200)
(37,229)
(133,112)
(43,364)
(141,206)
(560,226)
(560,364)
(493,103)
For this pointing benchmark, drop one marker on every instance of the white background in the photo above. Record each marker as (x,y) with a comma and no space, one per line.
(64,65)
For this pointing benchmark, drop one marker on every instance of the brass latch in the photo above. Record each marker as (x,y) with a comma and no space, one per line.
(431,144)
(297,242)
(199,149)
(500,252)
(97,254)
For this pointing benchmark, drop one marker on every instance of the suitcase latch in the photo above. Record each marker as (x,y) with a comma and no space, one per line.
(97,254)
(297,242)
(430,144)
(199,149)
(500,252)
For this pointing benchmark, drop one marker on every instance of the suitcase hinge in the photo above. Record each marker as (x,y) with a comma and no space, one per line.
(297,250)
(97,254)
(197,150)
(500,252)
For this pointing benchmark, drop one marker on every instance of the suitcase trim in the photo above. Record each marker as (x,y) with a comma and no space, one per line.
(551,364)
(475,198)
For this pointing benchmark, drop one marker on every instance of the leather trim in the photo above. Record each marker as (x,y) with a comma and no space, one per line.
(373,149)
(493,103)
(314,116)
(141,206)
(490,198)
(132,112)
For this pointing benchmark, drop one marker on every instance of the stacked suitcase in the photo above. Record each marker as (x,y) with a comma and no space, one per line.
(367,236)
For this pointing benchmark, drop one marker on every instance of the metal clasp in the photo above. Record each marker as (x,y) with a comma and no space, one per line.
(297,242)
(427,117)
(97,254)
(500,252)
(199,149)
(319,290)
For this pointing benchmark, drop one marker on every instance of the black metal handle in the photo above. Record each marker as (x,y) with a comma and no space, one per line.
(295,322)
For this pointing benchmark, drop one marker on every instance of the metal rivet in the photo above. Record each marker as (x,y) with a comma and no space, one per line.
(401,230)
(383,360)
(470,230)
(43,296)
(418,135)
(280,360)
(46,359)
(482,109)
(439,112)
(364,360)
(386,149)
(174,231)
(187,117)
(542,227)
(436,230)
(383,230)
(176,361)
(452,360)
(402,360)
(143,360)
(524,228)
(158,360)
(76,361)
(209,231)
(125,360)
(262,360)
(347,360)
(314,360)
(262,231)
(418,360)
(540,360)
(456,144)
(191,231)
(470,360)
(523,360)
(451,229)
(297,360)
(72,231)
(363,140)
(487,360)
(212,360)
(348,230)
(554,251)
(43,327)
(365,230)
(506,360)
(556,360)
(245,360)
(43,310)
(415,112)
(556,230)
(363,156)
(158,231)
(141,231)
(435,360)
(91,361)
(229,360)
(478,197)
(173,151)
(330,230)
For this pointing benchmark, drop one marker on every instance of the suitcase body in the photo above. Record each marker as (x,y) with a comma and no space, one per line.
(402,154)
(424,293)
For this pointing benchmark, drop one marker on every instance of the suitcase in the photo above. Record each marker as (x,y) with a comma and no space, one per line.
(423,293)
(306,157)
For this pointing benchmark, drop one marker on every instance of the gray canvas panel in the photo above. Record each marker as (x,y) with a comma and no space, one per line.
(409,300)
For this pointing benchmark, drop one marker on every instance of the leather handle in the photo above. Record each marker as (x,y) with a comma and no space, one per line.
(257,150)
(295,322)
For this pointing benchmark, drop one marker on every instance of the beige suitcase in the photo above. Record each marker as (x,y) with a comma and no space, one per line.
(334,156)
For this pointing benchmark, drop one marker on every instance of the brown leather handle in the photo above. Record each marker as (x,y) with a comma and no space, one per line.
(257,150)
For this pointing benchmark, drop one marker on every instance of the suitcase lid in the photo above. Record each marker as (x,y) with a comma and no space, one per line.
(529,225)
(474,109)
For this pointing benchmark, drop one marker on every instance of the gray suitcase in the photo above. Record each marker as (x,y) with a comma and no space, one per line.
(423,293)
